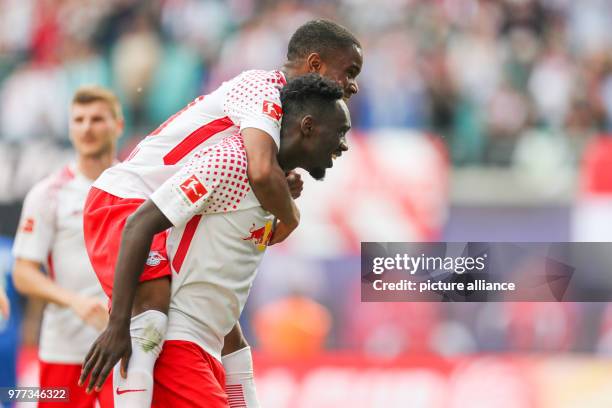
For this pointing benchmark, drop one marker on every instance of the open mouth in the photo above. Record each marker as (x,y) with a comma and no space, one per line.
(334,156)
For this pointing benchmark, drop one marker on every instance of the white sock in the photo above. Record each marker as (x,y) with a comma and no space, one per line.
(239,379)
(148,331)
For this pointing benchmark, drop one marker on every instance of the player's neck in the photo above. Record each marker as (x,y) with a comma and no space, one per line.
(289,156)
(292,70)
(92,166)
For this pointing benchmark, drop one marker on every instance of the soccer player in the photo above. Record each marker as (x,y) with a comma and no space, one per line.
(250,104)
(50,235)
(218,232)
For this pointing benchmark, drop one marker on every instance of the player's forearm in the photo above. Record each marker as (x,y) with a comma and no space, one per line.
(266,177)
(135,245)
(271,189)
(29,280)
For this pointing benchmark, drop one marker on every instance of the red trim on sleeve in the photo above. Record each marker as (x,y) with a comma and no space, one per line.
(197,137)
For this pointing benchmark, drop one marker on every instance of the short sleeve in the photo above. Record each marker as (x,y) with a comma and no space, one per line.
(214,180)
(36,229)
(253,101)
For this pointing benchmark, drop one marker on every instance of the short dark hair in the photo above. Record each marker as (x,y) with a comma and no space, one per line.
(309,92)
(321,36)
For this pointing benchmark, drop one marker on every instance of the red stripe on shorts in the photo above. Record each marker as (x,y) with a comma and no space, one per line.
(186,239)
(197,137)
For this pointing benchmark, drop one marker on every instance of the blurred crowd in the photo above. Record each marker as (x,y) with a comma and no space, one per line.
(485,75)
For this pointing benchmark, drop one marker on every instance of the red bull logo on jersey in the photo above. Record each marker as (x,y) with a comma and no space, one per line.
(28,225)
(260,236)
(193,189)
(272,110)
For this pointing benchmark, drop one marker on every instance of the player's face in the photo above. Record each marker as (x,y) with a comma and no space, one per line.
(344,67)
(93,128)
(329,140)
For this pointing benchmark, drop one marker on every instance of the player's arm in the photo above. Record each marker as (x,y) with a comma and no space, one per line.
(114,342)
(29,280)
(269,182)
(140,228)
(5,306)
(33,243)
(254,105)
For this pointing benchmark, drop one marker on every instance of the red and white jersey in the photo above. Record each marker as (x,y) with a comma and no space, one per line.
(218,240)
(250,100)
(51,232)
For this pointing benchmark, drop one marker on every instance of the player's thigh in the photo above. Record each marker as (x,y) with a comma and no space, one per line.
(187,376)
(65,376)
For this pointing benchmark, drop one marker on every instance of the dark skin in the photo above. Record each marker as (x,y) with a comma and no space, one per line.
(273,186)
(343,67)
(305,143)
(269,185)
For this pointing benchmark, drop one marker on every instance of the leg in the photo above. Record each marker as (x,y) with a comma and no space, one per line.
(152,295)
(105,395)
(148,330)
(187,376)
(238,364)
(234,340)
(104,219)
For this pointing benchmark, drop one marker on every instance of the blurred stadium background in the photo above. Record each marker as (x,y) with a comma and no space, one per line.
(476,120)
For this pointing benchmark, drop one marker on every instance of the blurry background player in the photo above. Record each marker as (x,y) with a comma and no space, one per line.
(5,307)
(51,235)
(250,103)
(213,245)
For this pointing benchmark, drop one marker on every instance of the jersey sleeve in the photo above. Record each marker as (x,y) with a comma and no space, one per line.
(213,181)
(254,102)
(36,229)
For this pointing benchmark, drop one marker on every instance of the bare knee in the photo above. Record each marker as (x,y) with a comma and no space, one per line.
(234,341)
(152,295)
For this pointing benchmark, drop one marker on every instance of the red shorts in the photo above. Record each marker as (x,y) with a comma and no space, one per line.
(187,376)
(54,375)
(104,218)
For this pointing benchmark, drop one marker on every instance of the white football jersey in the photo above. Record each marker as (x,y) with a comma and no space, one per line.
(250,100)
(218,240)
(51,232)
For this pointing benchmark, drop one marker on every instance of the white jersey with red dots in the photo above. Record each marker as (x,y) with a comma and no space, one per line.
(216,244)
(250,100)
(51,233)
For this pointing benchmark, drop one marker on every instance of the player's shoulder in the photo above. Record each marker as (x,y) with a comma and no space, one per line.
(48,187)
(260,77)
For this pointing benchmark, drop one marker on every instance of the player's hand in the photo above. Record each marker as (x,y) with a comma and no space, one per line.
(112,345)
(281,232)
(296,185)
(5,306)
(91,310)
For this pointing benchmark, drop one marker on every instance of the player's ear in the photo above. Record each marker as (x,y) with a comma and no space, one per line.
(120,127)
(306,125)
(314,62)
